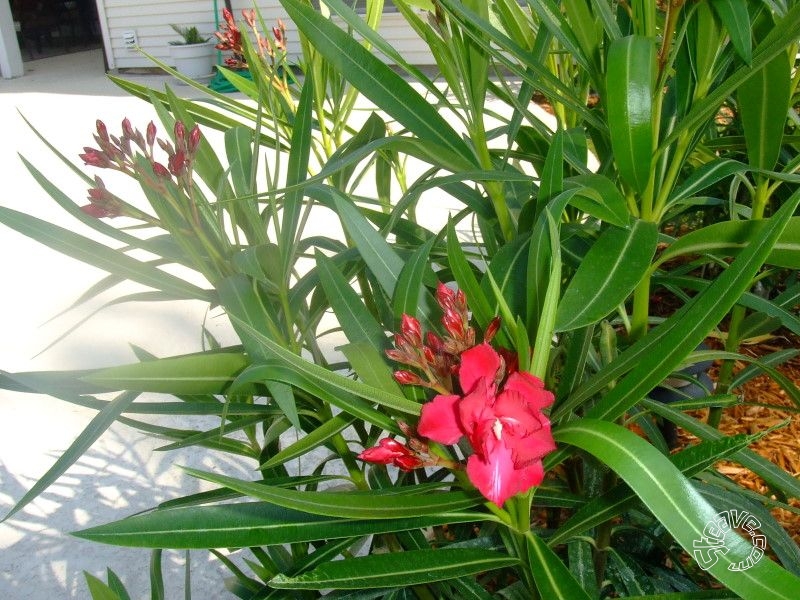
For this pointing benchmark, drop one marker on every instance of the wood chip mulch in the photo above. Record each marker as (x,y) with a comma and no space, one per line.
(782,446)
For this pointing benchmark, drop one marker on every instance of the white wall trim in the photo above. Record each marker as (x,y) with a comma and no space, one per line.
(111,60)
(10,56)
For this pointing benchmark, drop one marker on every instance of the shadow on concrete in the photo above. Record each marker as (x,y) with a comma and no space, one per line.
(119,476)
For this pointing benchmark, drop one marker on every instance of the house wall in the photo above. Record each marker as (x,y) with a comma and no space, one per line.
(151,19)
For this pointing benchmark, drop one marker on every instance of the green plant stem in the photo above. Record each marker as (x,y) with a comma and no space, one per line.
(493,189)
(602,543)
(641,309)
(760,201)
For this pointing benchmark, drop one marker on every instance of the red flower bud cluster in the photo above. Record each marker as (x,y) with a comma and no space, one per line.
(123,153)
(437,358)
(414,454)
(102,202)
(391,452)
(119,152)
(230,39)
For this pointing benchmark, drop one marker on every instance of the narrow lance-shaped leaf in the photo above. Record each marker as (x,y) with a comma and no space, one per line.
(629,104)
(98,255)
(612,268)
(246,524)
(376,80)
(356,321)
(735,15)
(201,373)
(730,237)
(413,567)
(384,262)
(350,505)
(410,296)
(763,102)
(553,578)
(678,506)
(297,171)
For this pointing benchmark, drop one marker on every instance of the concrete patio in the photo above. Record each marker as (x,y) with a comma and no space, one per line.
(121,474)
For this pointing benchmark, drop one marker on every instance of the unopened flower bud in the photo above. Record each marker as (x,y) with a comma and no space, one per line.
(127,129)
(411,329)
(452,323)
(407,378)
(391,452)
(180,133)
(491,330)
(434,342)
(161,170)
(94,157)
(429,354)
(177,163)
(395,355)
(151,134)
(102,131)
(249,17)
(194,139)
(444,295)
(166,146)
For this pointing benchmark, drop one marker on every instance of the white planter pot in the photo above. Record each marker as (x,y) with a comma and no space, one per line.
(195,61)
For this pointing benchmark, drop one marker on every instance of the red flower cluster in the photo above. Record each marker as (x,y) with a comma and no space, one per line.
(436,357)
(496,407)
(502,420)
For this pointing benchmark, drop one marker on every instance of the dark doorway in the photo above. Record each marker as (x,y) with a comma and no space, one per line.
(51,27)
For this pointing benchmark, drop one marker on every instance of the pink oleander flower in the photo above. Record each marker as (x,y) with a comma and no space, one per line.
(391,452)
(502,419)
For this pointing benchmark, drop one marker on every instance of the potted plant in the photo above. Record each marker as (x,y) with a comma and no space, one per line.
(193,54)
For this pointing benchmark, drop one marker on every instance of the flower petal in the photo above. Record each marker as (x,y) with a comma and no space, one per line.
(475,408)
(493,475)
(533,446)
(439,420)
(516,414)
(479,362)
(531,388)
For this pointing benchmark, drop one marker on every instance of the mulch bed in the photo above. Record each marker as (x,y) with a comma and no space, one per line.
(782,447)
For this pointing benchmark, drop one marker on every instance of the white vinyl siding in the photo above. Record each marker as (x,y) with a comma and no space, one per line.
(151,19)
